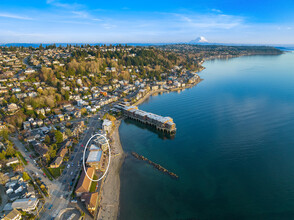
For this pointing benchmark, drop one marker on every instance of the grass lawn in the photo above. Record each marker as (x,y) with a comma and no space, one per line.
(47,173)
(56,172)
(93,184)
(19,155)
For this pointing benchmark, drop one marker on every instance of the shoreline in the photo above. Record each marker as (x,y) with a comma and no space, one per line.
(110,196)
(144,98)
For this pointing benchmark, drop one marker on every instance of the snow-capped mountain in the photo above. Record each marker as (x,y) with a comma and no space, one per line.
(199,40)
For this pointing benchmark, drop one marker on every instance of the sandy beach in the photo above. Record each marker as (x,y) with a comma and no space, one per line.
(111,188)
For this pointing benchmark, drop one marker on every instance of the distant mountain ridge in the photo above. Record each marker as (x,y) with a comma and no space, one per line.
(35,45)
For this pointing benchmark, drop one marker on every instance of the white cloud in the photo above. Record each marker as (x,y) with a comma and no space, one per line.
(59,4)
(14,16)
(82,14)
(96,19)
(108,26)
(207,21)
(216,10)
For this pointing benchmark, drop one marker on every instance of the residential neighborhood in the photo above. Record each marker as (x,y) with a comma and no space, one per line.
(53,99)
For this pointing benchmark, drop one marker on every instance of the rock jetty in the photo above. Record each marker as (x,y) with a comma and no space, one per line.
(155,165)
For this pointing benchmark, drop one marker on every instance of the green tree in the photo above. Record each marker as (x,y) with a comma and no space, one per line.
(4,134)
(41,116)
(47,139)
(13,99)
(25,176)
(52,152)
(10,151)
(2,155)
(68,132)
(66,95)
(3,178)
(47,157)
(58,137)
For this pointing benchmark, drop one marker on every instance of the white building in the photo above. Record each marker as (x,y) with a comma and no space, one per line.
(13,160)
(107,125)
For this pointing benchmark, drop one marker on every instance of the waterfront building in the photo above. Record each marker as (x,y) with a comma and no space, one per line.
(94,159)
(84,183)
(90,200)
(101,142)
(107,125)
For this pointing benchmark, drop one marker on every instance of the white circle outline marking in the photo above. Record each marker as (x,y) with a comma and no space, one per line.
(85,154)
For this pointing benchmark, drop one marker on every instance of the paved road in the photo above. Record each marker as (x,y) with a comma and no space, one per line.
(31,164)
(4,197)
(61,189)
(68,180)
(54,186)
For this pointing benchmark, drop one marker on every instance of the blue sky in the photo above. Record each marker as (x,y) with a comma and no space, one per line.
(153,21)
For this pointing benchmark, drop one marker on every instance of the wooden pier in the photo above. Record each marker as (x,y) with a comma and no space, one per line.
(164,124)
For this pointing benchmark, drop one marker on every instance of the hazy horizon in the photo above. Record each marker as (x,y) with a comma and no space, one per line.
(137,44)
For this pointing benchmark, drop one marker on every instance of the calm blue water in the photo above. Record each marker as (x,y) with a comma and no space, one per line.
(233,150)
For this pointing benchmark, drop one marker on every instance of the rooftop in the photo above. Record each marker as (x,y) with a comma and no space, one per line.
(94,156)
(107,122)
(84,182)
(24,203)
(14,214)
(100,140)
(93,147)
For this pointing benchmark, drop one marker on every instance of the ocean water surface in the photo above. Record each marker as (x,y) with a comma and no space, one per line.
(233,150)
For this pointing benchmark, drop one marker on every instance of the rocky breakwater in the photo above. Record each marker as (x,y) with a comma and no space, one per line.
(155,165)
